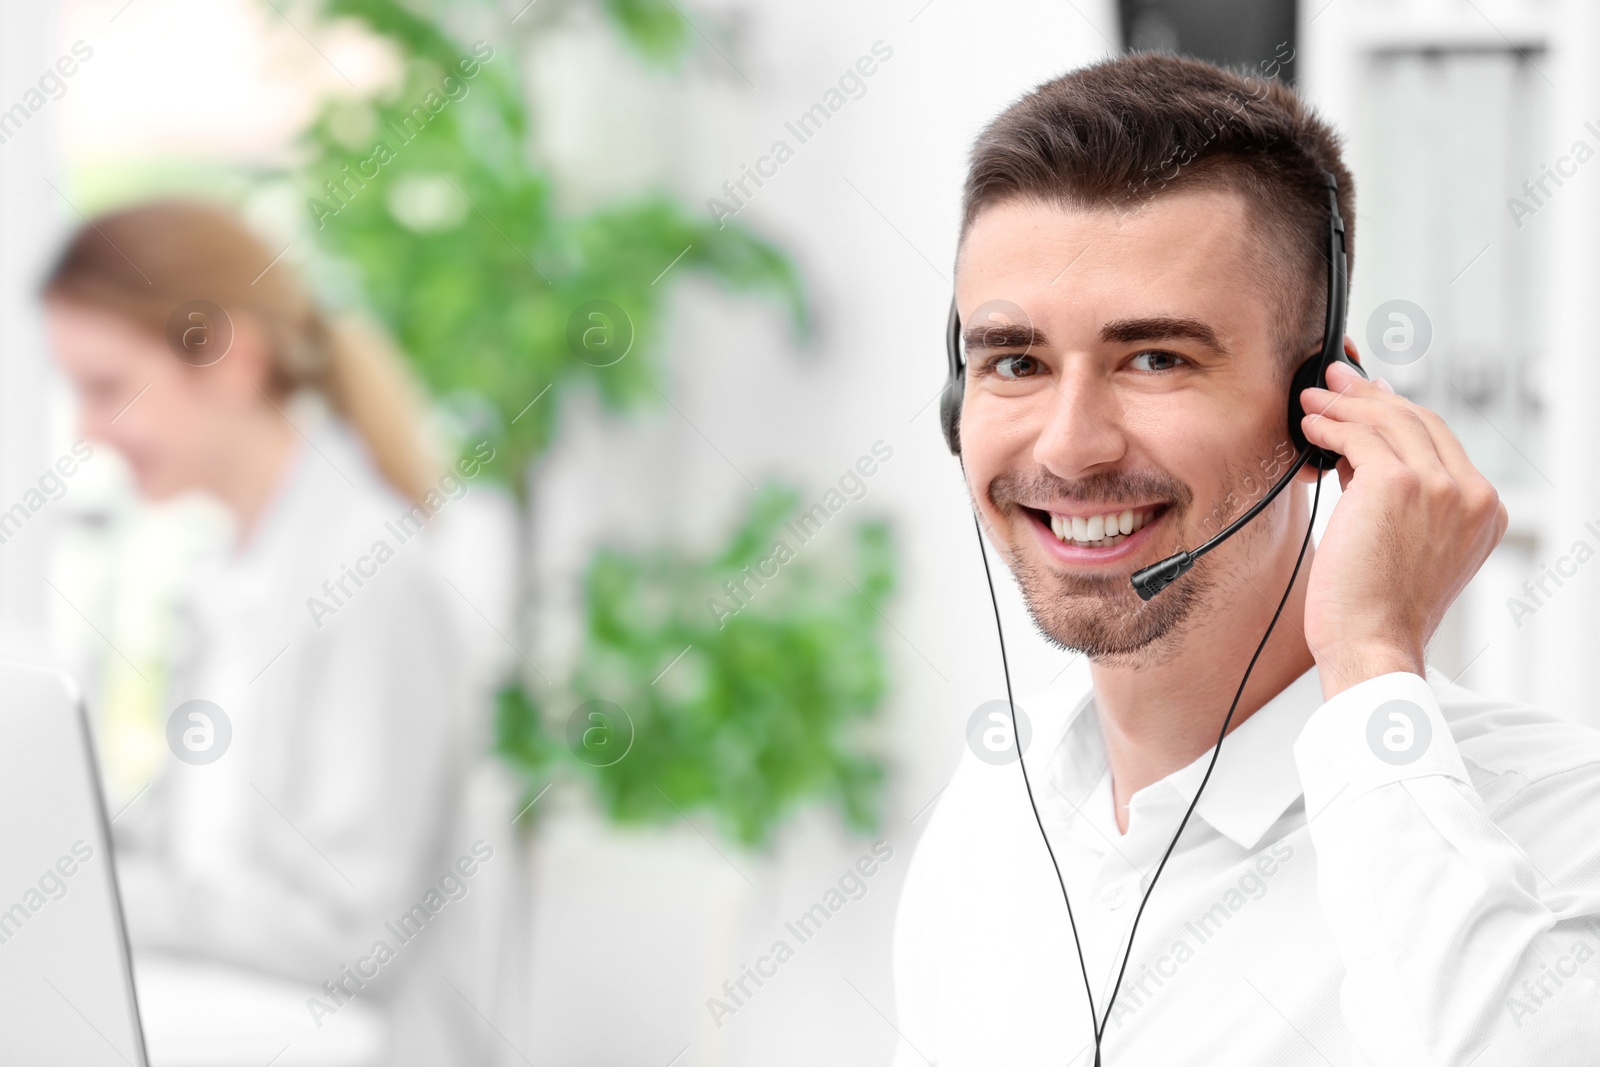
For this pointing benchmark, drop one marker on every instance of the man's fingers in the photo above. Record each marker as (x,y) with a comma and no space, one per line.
(1409,436)
(1359,442)
(1400,420)
(1368,423)
(1347,383)
(1449,446)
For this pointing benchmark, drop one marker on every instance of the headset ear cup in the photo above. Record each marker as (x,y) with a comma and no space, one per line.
(1308,374)
(950,412)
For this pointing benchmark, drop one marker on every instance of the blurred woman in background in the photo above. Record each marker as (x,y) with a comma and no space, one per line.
(308,800)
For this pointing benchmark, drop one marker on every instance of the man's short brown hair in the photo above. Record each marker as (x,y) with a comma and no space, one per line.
(1124,130)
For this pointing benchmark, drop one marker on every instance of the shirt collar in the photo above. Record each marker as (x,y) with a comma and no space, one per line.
(1255,780)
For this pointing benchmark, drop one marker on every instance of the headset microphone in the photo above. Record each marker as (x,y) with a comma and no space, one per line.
(1150,580)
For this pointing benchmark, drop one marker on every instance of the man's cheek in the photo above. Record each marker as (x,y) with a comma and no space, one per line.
(1226,509)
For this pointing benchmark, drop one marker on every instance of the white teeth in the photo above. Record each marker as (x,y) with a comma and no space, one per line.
(1098,531)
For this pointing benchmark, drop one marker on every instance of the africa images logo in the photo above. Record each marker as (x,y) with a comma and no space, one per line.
(1398,732)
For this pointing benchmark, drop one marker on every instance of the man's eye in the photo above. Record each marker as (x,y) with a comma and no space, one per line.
(1013,367)
(1156,362)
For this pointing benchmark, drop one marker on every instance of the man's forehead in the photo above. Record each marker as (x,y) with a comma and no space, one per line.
(1194,244)
(1030,237)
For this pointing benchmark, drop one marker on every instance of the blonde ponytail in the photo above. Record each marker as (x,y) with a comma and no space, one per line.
(368,384)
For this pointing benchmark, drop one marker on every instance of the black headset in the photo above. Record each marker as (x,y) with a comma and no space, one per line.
(1152,579)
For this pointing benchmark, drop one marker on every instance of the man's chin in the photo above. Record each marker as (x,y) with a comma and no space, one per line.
(1100,614)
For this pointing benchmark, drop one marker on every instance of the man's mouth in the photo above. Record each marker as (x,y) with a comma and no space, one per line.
(1097,529)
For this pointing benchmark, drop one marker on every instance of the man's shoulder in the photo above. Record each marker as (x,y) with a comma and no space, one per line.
(1509,745)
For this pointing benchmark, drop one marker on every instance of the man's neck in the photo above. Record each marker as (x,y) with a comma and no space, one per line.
(1160,717)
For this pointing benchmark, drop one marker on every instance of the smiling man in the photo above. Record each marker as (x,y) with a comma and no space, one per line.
(1381,867)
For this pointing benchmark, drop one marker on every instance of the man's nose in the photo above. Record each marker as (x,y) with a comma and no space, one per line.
(1084,429)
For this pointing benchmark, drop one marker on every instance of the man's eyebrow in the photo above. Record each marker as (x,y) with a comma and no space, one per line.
(998,335)
(1001,335)
(1161,328)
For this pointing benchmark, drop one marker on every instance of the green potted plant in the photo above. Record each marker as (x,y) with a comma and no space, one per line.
(431,194)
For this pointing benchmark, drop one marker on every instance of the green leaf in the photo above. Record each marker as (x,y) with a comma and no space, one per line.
(659,30)
(745,705)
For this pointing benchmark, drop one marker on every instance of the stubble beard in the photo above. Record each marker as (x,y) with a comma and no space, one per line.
(1101,615)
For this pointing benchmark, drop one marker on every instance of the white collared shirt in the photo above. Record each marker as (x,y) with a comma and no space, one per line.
(1362,882)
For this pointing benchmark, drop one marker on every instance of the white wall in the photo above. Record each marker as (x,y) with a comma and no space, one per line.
(29,209)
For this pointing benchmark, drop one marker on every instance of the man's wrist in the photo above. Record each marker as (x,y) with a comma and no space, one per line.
(1384,730)
(1351,664)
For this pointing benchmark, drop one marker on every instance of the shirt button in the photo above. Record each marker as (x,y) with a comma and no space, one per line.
(1114,896)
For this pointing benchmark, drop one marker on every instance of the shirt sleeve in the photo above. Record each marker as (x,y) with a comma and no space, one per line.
(1456,949)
